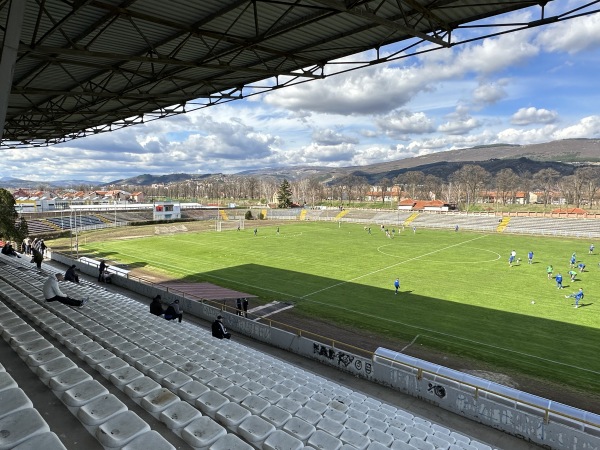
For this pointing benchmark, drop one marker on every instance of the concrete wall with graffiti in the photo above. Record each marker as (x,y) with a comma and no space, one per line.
(515,412)
(507,409)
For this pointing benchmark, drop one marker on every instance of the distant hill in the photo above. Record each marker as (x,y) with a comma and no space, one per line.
(563,156)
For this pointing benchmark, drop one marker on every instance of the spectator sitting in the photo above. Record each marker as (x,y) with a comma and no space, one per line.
(9,250)
(156,306)
(105,276)
(218,329)
(70,274)
(173,311)
(52,292)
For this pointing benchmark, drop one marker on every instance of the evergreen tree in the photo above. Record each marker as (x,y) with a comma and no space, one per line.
(284,195)
(8,218)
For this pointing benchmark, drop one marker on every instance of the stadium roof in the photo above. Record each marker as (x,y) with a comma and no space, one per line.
(87,66)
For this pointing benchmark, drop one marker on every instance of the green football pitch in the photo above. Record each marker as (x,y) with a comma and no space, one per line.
(458,293)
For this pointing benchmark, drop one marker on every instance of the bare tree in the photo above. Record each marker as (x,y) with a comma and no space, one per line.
(413,181)
(472,178)
(506,182)
(591,182)
(546,179)
(384,183)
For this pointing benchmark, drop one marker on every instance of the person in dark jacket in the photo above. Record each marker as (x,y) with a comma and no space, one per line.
(101,270)
(173,311)
(37,258)
(70,274)
(156,306)
(218,329)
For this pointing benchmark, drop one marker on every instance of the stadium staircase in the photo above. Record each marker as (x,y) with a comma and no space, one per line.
(143,374)
(302,215)
(223,214)
(341,214)
(51,224)
(412,217)
(102,218)
(503,224)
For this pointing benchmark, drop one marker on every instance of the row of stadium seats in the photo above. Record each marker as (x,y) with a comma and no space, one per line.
(213,394)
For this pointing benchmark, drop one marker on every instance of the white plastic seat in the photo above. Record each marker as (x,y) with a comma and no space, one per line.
(161,370)
(100,410)
(13,400)
(380,436)
(202,432)
(308,415)
(175,380)
(110,365)
(330,426)
(279,440)
(288,405)
(124,376)
(94,358)
(230,442)
(355,439)
(34,346)
(140,387)
(21,426)
(121,429)
(322,440)
(230,415)
(277,416)
(43,357)
(299,428)
(46,441)
(255,430)
(158,400)
(68,379)
(53,368)
(83,393)
(179,415)
(151,440)
(219,384)
(146,363)
(84,348)
(191,391)
(236,393)
(420,444)
(398,434)
(210,402)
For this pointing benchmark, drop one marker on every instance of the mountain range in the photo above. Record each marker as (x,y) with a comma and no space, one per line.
(563,156)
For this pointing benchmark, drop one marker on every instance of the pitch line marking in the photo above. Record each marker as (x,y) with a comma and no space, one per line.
(411,343)
(452,262)
(393,265)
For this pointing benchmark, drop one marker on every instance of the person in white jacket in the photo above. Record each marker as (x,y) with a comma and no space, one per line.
(52,292)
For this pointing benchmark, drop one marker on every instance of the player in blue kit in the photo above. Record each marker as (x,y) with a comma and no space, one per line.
(530,257)
(577,296)
(397,285)
(558,278)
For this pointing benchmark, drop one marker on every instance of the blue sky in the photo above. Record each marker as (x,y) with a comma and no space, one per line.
(527,87)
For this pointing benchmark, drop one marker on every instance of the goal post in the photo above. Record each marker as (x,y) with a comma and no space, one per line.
(224,225)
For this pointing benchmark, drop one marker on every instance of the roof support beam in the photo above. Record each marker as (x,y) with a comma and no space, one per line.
(364,12)
(9,54)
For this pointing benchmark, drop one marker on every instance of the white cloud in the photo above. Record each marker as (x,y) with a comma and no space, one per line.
(527,116)
(489,93)
(401,123)
(571,36)
(586,128)
(461,126)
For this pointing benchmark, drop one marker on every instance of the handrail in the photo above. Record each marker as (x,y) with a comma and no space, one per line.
(547,411)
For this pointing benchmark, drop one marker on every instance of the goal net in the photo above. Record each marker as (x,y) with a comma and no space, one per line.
(223,225)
